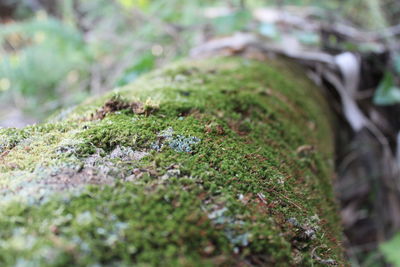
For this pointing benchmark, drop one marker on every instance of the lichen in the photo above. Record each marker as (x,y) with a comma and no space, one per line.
(179,143)
(216,162)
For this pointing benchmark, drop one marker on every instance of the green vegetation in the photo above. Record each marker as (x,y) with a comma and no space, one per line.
(54,60)
(47,54)
(390,250)
(221,162)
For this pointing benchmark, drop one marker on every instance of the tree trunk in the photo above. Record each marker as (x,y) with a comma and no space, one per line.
(223,161)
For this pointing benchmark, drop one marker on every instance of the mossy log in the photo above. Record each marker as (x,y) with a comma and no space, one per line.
(215,162)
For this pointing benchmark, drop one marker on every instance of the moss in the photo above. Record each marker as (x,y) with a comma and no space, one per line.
(233,168)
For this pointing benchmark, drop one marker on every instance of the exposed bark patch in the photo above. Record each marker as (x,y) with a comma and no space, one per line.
(94,170)
(214,128)
(116,104)
(70,179)
(239,127)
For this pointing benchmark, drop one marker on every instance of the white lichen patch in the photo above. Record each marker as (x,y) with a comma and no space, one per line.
(231,226)
(69,146)
(307,230)
(177,142)
(71,175)
(127,153)
(171,173)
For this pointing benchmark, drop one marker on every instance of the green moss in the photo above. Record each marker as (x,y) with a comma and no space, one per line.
(216,176)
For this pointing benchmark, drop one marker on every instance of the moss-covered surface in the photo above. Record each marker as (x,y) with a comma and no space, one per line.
(223,162)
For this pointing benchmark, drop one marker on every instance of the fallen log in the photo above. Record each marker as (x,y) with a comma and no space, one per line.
(220,162)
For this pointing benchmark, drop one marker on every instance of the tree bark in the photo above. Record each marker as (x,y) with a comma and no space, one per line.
(223,161)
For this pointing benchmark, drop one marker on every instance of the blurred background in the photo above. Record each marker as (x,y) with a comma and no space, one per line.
(55,53)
